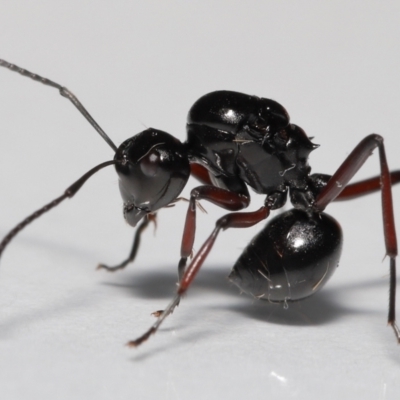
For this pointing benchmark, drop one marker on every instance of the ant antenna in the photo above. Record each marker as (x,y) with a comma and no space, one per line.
(65,93)
(68,193)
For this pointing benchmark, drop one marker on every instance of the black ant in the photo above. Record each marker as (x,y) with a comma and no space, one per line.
(234,141)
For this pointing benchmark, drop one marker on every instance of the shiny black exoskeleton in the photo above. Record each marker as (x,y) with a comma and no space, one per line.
(242,141)
(235,141)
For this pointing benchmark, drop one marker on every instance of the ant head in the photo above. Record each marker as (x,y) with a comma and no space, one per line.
(153,169)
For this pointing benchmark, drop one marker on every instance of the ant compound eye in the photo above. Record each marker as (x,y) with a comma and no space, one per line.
(150,163)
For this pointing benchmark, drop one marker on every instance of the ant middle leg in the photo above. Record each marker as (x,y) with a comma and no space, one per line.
(232,220)
(232,195)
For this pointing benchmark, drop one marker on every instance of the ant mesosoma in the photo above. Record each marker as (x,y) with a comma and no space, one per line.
(233,141)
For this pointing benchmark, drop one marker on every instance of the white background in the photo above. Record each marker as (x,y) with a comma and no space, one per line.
(334,66)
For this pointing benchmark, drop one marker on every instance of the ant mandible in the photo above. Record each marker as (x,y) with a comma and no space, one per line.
(234,141)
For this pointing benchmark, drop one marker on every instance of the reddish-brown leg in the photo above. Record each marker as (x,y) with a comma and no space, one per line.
(336,186)
(365,187)
(233,220)
(221,197)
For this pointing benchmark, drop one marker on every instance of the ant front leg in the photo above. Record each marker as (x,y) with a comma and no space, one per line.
(336,185)
(135,246)
(225,198)
(232,220)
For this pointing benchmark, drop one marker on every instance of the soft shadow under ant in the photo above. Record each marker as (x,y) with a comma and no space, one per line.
(161,284)
(321,308)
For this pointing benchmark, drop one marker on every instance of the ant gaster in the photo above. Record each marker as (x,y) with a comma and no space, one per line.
(234,141)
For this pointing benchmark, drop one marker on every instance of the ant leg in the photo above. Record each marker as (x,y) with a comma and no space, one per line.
(69,192)
(337,184)
(136,242)
(367,186)
(232,220)
(200,173)
(229,200)
(63,92)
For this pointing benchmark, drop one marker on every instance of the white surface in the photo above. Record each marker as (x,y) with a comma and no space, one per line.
(333,65)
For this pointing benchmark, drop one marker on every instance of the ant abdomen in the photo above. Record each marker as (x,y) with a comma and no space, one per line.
(291,258)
